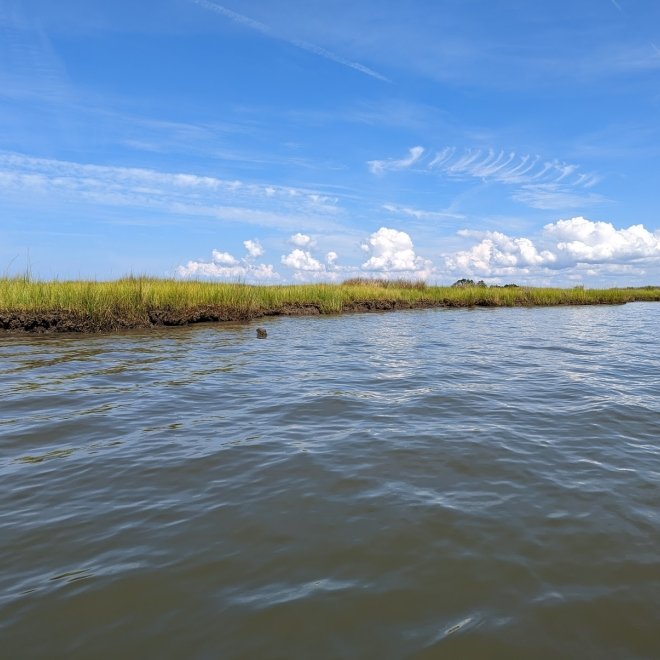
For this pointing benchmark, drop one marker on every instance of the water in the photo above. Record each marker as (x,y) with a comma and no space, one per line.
(423,484)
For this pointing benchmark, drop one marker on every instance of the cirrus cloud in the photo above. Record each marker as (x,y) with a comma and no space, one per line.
(535,181)
(390,164)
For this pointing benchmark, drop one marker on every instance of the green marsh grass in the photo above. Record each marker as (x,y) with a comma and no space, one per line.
(128,302)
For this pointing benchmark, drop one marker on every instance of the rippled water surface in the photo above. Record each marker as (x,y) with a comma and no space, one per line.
(424,484)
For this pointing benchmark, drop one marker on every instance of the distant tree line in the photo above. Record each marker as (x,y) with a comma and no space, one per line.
(463,283)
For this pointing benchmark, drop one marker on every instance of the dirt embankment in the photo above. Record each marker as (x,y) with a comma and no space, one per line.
(42,322)
(68,321)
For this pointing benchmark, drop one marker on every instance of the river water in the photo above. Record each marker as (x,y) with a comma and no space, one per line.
(423,484)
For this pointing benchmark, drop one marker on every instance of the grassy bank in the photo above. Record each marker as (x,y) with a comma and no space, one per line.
(134,302)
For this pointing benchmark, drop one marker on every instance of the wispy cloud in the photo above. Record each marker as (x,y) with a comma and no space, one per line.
(551,196)
(303,45)
(545,184)
(508,167)
(180,194)
(617,5)
(30,64)
(421,214)
(392,164)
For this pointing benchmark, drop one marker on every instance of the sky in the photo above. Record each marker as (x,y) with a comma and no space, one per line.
(280,141)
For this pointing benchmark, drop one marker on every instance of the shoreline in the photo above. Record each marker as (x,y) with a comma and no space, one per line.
(64,321)
(41,307)
(71,322)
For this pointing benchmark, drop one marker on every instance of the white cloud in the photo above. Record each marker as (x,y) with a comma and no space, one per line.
(224,265)
(302,260)
(300,240)
(581,240)
(246,272)
(392,251)
(380,166)
(499,254)
(307,267)
(253,248)
(223,258)
(577,246)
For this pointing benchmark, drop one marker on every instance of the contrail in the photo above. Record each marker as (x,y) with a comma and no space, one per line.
(303,45)
(234,16)
(617,5)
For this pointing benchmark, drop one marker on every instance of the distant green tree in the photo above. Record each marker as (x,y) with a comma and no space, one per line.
(463,282)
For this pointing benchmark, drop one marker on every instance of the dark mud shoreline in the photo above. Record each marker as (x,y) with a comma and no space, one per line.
(65,321)
(74,322)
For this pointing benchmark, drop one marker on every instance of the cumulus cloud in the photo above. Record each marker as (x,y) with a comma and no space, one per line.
(381,166)
(223,258)
(575,244)
(218,271)
(226,266)
(302,260)
(392,251)
(499,254)
(300,240)
(253,248)
(308,267)
(581,240)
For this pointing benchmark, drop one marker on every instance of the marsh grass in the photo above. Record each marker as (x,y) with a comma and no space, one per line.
(131,301)
(420,285)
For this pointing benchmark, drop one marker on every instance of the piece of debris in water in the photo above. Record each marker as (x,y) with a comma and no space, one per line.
(261,333)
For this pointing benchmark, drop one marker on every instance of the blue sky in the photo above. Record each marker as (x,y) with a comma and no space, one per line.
(293,140)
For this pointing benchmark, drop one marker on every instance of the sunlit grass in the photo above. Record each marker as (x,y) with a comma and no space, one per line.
(128,302)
